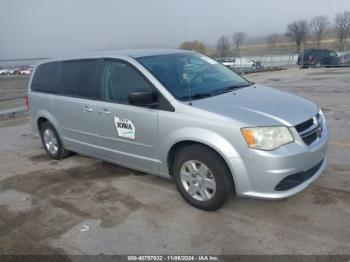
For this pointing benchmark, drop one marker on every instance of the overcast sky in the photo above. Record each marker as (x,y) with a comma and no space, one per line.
(48,28)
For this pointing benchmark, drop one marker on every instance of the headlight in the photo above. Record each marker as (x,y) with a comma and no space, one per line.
(267,138)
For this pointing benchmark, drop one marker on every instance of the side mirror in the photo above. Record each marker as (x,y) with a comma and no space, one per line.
(142,98)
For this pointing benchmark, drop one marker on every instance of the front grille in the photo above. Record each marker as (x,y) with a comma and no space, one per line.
(297,179)
(310,138)
(305,125)
(310,130)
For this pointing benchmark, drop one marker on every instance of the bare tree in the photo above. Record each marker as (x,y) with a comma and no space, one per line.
(319,26)
(297,31)
(223,46)
(342,23)
(238,39)
(271,41)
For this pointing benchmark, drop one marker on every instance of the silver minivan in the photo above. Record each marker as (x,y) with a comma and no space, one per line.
(181,115)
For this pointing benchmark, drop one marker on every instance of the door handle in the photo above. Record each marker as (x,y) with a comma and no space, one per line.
(104,112)
(88,109)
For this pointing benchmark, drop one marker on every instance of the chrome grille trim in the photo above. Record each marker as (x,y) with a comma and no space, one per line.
(310,130)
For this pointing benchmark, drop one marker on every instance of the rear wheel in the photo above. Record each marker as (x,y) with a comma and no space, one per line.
(318,65)
(202,177)
(52,142)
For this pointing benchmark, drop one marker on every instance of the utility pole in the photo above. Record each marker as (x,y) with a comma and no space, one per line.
(186,30)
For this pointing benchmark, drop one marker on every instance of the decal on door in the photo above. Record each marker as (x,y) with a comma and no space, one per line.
(125,127)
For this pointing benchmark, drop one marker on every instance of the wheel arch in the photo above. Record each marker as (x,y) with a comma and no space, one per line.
(184,143)
(188,136)
(45,116)
(40,121)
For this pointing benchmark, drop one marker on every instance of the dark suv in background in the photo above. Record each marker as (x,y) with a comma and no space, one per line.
(318,58)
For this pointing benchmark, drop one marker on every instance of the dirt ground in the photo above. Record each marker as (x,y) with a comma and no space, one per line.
(81,205)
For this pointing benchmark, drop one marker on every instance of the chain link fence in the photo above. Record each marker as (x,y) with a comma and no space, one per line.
(271,59)
(284,58)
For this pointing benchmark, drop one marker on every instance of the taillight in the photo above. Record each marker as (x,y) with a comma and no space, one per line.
(27,104)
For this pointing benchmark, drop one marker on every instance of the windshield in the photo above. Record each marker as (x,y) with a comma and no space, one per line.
(191,75)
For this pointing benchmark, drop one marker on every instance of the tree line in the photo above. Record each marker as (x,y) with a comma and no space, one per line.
(318,28)
(299,31)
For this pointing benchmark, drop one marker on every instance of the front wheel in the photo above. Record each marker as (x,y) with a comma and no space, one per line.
(202,177)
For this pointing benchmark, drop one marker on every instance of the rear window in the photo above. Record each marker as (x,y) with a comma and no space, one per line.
(78,78)
(45,78)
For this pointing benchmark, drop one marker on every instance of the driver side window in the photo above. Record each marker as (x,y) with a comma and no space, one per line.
(119,79)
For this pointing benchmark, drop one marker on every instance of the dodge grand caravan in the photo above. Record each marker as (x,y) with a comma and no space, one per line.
(181,115)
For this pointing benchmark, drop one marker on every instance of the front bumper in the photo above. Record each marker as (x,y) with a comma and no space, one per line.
(260,174)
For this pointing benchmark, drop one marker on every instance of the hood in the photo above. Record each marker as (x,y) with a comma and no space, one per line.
(259,105)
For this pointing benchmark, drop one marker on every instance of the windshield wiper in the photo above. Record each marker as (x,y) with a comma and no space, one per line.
(225,90)
(230,88)
(196,96)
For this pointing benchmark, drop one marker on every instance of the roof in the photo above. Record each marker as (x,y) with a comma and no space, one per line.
(134,53)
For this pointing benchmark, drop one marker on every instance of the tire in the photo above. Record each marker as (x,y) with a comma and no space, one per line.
(188,182)
(52,142)
(318,65)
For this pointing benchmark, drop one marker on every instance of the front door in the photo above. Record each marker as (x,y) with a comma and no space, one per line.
(128,133)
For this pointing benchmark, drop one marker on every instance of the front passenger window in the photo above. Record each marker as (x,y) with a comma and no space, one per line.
(119,79)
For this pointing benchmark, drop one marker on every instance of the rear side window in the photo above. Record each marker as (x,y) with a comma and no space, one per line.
(45,78)
(119,79)
(78,78)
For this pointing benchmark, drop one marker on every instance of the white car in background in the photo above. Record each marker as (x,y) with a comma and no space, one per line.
(226,61)
(27,71)
(244,62)
(240,63)
(13,71)
(4,71)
